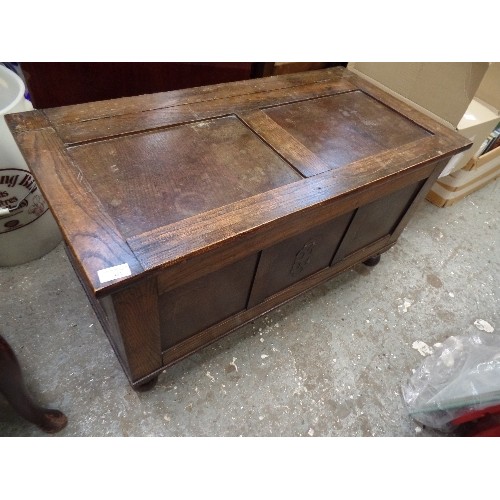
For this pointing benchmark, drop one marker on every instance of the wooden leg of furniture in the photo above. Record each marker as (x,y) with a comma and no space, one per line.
(372,261)
(13,388)
(147,386)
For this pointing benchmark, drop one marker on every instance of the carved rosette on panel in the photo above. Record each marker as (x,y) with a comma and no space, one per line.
(303,258)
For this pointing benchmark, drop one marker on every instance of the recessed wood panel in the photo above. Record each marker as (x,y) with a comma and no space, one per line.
(296,258)
(205,301)
(376,220)
(343,128)
(154,179)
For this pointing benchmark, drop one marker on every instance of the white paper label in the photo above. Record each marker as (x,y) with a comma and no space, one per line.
(113,273)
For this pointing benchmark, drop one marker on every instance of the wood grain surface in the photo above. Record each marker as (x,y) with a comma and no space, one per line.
(137,315)
(184,171)
(88,229)
(201,303)
(312,199)
(129,105)
(341,129)
(376,220)
(106,222)
(296,258)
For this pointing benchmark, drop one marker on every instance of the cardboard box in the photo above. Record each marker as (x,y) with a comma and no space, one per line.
(476,124)
(479,172)
(463,96)
(443,90)
(489,90)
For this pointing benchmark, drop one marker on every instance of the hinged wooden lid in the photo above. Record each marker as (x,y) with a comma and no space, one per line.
(149,181)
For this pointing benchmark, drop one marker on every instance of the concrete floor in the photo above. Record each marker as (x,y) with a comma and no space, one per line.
(329,363)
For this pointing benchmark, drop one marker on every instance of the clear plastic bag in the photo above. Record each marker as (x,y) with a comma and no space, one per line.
(462,375)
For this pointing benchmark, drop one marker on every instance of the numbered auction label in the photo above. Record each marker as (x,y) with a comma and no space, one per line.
(21,202)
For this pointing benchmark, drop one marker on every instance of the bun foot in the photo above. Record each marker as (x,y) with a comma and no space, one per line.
(147,386)
(52,421)
(372,261)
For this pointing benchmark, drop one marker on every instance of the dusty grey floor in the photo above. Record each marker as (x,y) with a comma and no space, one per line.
(329,363)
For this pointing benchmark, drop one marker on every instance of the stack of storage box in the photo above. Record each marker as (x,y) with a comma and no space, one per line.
(463,96)
(476,168)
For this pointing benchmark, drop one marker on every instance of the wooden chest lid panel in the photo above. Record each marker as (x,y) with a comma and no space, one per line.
(243,159)
(343,128)
(154,179)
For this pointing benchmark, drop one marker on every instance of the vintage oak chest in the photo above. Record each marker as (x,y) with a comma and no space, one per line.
(189,213)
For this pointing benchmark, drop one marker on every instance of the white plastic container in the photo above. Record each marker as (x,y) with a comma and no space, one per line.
(27,228)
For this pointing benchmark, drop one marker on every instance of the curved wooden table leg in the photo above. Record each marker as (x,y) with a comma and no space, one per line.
(372,261)
(13,388)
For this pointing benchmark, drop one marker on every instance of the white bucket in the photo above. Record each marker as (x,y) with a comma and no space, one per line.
(27,228)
